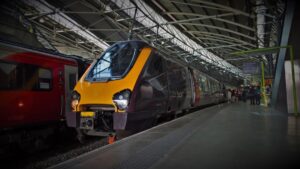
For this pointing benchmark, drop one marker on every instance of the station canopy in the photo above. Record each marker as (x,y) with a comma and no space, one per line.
(202,34)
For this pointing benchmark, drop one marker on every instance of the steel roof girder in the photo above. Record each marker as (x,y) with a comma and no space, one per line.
(216,35)
(222,46)
(63,39)
(153,25)
(66,22)
(224,7)
(215,18)
(201,6)
(217,39)
(223,29)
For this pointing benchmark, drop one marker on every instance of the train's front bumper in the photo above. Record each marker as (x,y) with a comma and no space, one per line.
(108,124)
(94,120)
(102,118)
(97,119)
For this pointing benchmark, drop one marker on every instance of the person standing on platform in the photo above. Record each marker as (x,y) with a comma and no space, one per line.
(257,95)
(244,95)
(252,95)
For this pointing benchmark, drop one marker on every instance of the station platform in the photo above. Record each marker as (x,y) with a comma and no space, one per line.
(236,135)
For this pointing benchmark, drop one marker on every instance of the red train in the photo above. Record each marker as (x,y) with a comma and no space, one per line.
(35,91)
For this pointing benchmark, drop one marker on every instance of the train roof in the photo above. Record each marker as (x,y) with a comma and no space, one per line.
(143,43)
(43,51)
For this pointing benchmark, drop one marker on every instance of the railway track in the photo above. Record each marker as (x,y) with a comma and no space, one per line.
(61,148)
(56,151)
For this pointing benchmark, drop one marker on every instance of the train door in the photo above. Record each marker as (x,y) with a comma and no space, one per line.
(193,87)
(172,90)
(70,76)
(153,89)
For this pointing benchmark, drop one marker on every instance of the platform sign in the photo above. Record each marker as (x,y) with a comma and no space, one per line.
(251,68)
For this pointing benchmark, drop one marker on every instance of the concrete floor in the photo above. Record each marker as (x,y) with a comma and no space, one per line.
(236,135)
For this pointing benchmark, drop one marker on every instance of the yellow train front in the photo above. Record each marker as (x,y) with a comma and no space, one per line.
(128,88)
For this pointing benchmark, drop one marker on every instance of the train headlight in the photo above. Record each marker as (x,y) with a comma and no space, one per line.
(121,99)
(75,100)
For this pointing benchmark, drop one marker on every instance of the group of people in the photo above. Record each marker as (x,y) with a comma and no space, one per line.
(233,95)
(253,93)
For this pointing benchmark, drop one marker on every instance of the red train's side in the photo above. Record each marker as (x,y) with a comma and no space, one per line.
(35,89)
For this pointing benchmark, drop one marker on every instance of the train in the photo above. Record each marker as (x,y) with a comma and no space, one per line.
(35,90)
(131,85)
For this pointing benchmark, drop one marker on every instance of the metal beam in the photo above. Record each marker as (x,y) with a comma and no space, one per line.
(94,12)
(64,39)
(201,6)
(259,51)
(223,29)
(43,6)
(216,39)
(96,22)
(240,58)
(223,36)
(288,20)
(224,7)
(106,30)
(222,46)
(215,18)
(178,35)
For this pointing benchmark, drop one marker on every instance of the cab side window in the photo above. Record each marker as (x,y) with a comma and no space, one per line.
(155,67)
(154,83)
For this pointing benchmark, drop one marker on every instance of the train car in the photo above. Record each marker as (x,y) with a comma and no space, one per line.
(131,85)
(35,91)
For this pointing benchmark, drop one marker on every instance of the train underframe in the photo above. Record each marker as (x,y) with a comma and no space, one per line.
(106,123)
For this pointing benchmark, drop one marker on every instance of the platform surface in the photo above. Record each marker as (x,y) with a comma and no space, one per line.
(230,136)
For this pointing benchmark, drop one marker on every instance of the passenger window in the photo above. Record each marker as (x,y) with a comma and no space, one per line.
(204,83)
(9,77)
(44,79)
(15,76)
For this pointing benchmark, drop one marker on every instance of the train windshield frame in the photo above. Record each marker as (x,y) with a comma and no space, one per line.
(114,63)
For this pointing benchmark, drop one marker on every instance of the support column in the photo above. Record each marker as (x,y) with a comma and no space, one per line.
(296,113)
(263,88)
(288,19)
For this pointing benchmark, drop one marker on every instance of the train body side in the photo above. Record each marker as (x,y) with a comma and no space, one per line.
(33,87)
(208,90)
(164,88)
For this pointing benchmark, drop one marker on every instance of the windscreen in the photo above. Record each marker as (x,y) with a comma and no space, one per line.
(114,63)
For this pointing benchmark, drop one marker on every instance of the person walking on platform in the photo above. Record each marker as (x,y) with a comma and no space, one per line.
(252,95)
(257,95)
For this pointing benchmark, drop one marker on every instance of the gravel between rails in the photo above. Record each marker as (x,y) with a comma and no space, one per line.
(58,151)
(70,152)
